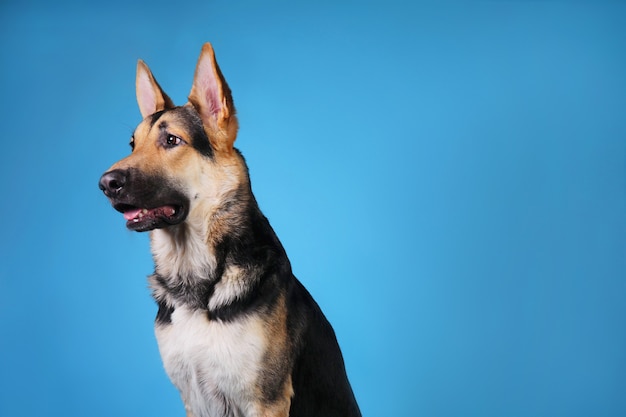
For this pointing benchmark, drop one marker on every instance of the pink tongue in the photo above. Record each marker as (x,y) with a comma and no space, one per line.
(131,214)
(167,211)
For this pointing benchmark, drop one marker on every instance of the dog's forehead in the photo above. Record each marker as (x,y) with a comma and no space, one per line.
(183,121)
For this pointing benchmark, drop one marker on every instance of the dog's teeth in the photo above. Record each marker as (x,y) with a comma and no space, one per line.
(144,211)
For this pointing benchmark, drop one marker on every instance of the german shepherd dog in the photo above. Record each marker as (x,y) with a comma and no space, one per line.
(238,334)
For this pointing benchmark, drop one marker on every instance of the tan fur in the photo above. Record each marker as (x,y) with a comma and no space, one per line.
(278,345)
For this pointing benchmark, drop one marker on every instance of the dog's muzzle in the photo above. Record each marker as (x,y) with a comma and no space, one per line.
(147,202)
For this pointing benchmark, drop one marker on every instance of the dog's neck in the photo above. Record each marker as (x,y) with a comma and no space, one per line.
(182,251)
(203,264)
(190,250)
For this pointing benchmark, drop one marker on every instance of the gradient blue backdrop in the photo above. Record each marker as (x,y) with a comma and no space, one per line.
(449,180)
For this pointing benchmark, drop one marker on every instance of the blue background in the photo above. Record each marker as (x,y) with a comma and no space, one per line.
(449,180)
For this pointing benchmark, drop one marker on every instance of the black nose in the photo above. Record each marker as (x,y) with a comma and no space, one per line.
(113,182)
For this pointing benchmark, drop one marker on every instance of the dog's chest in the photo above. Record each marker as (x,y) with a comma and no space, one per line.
(214,364)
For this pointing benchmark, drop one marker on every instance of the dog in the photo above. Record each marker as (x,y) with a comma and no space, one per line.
(238,334)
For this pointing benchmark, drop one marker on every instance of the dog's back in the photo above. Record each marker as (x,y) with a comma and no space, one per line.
(319,372)
(238,334)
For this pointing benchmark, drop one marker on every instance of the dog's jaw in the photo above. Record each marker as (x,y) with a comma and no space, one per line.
(144,219)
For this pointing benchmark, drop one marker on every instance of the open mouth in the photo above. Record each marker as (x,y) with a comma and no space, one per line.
(144,219)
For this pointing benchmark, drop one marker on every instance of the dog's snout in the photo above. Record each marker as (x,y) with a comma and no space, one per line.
(113,182)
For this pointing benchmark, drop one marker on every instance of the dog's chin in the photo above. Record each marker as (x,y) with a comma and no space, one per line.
(144,220)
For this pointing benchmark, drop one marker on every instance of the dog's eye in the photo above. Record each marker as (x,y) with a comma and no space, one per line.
(172,141)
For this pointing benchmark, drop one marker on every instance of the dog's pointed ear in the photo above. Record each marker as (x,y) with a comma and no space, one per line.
(150,96)
(211,97)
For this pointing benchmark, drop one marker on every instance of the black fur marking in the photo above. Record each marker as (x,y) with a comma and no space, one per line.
(193,124)
(164,315)
(195,296)
(154,117)
(327,393)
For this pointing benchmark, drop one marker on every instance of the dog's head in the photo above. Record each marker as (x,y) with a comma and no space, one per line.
(183,162)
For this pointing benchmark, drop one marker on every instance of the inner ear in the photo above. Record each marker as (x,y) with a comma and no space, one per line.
(210,94)
(150,96)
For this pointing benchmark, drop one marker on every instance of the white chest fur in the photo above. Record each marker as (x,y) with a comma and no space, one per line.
(215,365)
